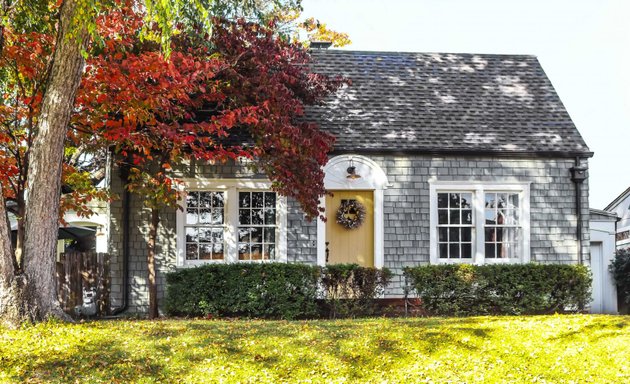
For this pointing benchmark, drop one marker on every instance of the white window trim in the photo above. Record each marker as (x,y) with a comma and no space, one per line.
(478,189)
(231,187)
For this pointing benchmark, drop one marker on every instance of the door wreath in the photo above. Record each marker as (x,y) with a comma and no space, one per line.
(350,214)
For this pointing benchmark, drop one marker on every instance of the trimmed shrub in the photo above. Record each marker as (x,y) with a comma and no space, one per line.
(620,269)
(274,290)
(261,290)
(350,290)
(463,289)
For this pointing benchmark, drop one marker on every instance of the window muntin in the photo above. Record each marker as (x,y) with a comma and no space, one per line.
(257,225)
(502,231)
(204,225)
(455,225)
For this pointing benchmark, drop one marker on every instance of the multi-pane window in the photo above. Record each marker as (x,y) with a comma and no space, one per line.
(479,222)
(455,225)
(257,224)
(502,225)
(204,226)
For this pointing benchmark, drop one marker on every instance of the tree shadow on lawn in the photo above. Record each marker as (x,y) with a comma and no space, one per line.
(594,332)
(96,361)
(352,342)
(297,345)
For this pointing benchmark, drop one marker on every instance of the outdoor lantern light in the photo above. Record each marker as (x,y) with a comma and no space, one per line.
(352,171)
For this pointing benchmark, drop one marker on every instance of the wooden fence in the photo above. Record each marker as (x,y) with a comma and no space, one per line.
(80,272)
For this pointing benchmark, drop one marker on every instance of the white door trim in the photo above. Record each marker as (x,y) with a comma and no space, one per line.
(372,178)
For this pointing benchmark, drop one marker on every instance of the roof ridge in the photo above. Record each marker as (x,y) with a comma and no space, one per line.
(424,53)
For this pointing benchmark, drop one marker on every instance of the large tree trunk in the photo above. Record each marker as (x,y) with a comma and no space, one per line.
(44,170)
(153,302)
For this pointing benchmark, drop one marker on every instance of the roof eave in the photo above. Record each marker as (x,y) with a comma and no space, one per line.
(464,152)
(604,213)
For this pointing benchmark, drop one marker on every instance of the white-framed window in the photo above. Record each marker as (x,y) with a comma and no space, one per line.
(502,227)
(230,221)
(257,225)
(475,222)
(455,225)
(205,225)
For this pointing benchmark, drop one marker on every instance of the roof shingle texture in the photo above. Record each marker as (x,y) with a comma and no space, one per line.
(433,102)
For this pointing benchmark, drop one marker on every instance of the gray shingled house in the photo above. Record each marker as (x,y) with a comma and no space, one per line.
(440,158)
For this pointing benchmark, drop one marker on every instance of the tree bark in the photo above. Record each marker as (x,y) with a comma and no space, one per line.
(5,237)
(153,302)
(11,311)
(19,242)
(44,170)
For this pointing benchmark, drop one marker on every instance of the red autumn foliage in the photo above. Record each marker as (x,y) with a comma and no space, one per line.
(240,93)
(24,64)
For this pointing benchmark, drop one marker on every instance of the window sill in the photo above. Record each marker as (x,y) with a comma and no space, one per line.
(503,261)
(480,262)
(197,263)
(455,261)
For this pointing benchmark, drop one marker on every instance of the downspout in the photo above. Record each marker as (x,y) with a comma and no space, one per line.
(126,197)
(578,175)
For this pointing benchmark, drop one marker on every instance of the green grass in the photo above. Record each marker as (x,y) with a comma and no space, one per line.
(544,349)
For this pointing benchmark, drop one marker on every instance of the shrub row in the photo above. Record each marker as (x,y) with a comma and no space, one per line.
(620,269)
(463,289)
(274,290)
(349,290)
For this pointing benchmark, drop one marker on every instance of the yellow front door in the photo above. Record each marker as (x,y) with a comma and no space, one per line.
(354,245)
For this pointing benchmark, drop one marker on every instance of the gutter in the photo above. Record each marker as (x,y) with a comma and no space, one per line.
(462,152)
(579,173)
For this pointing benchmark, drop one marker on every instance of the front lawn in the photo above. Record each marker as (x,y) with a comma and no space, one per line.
(558,349)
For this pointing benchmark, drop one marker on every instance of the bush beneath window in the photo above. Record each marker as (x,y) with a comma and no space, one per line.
(620,269)
(274,290)
(463,289)
(262,290)
(350,290)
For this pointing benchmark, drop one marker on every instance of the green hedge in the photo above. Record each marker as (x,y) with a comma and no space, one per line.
(620,269)
(463,289)
(350,290)
(274,290)
(265,290)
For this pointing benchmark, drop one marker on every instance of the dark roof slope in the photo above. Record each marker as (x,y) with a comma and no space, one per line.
(613,204)
(436,102)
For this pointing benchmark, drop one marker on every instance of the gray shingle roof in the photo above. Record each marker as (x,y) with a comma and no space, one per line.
(435,102)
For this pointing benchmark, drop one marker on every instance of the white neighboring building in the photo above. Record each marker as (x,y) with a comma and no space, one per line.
(602,230)
(621,207)
(97,223)
(94,229)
